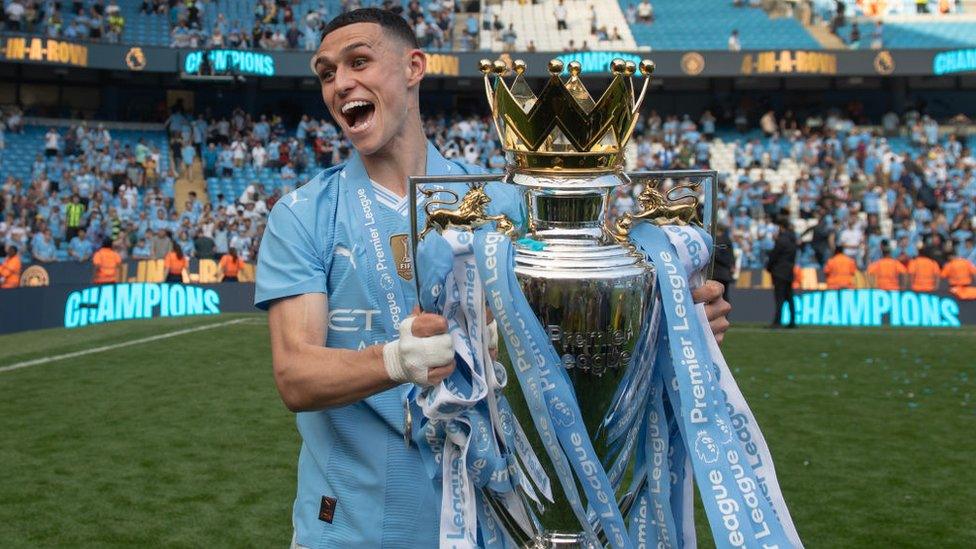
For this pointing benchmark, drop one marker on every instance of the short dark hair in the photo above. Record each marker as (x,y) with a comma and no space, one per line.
(384,18)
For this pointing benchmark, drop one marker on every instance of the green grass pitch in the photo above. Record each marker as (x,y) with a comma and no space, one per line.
(183,442)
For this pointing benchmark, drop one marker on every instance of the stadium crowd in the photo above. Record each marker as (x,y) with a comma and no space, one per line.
(854,190)
(282,24)
(84,20)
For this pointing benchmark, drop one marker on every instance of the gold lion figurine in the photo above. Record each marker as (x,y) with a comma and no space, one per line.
(655,208)
(470,214)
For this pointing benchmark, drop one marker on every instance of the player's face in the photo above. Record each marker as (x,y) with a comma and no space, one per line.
(365,79)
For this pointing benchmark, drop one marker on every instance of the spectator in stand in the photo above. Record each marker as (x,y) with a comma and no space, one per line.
(188,154)
(80,248)
(15,15)
(160,243)
(509,37)
(561,14)
(288,172)
(74,216)
(471,32)
(645,12)
(116,23)
(141,251)
(855,38)
(106,264)
(52,143)
(43,248)
(852,239)
(175,263)
(10,269)
(840,271)
(203,245)
(734,44)
(877,35)
(230,266)
(184,241)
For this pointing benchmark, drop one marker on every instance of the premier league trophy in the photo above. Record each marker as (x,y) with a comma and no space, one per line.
(588,446)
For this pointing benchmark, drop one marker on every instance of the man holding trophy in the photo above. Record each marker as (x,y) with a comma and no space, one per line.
(486,460)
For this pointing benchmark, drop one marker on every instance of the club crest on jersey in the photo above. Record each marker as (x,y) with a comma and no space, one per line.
(401,256)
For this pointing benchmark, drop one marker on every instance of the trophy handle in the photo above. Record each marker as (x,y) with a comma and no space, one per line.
(416,192)
(675,209)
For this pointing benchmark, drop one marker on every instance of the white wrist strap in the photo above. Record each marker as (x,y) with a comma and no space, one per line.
(408,358)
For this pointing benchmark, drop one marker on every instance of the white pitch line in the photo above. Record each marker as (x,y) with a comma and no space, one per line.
(45,360)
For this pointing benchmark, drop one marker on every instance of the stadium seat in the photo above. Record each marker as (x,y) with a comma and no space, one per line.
(537,22)
(679,25)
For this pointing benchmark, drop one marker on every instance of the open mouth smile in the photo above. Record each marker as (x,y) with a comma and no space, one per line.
(358,115)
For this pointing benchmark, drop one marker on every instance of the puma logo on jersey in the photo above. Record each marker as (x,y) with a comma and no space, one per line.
(294,198)
(345,252)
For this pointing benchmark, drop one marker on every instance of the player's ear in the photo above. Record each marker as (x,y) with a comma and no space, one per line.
(416,67)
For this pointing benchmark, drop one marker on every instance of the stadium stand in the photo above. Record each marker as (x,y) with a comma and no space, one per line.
(900,24)
(680,25)
(590,25)
(909,34)
(501,25)
(907,182)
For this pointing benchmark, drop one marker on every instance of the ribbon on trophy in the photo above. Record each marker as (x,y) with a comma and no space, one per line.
(468,435)
(730,458)
(691,421)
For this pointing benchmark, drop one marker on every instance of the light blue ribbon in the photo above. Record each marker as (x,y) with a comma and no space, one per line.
(738,513)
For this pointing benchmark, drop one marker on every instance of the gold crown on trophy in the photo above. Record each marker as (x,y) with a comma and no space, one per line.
(563,129)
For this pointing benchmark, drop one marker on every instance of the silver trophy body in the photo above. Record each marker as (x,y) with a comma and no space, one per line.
(593,295)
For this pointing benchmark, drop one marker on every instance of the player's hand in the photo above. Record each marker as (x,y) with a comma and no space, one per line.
(716,308)
(424,354)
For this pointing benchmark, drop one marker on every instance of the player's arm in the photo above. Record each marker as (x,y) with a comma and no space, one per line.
(311,376)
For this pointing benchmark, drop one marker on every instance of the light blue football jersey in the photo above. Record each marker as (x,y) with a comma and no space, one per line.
(359,485)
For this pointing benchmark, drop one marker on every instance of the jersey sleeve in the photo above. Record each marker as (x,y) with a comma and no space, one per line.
(289,263)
